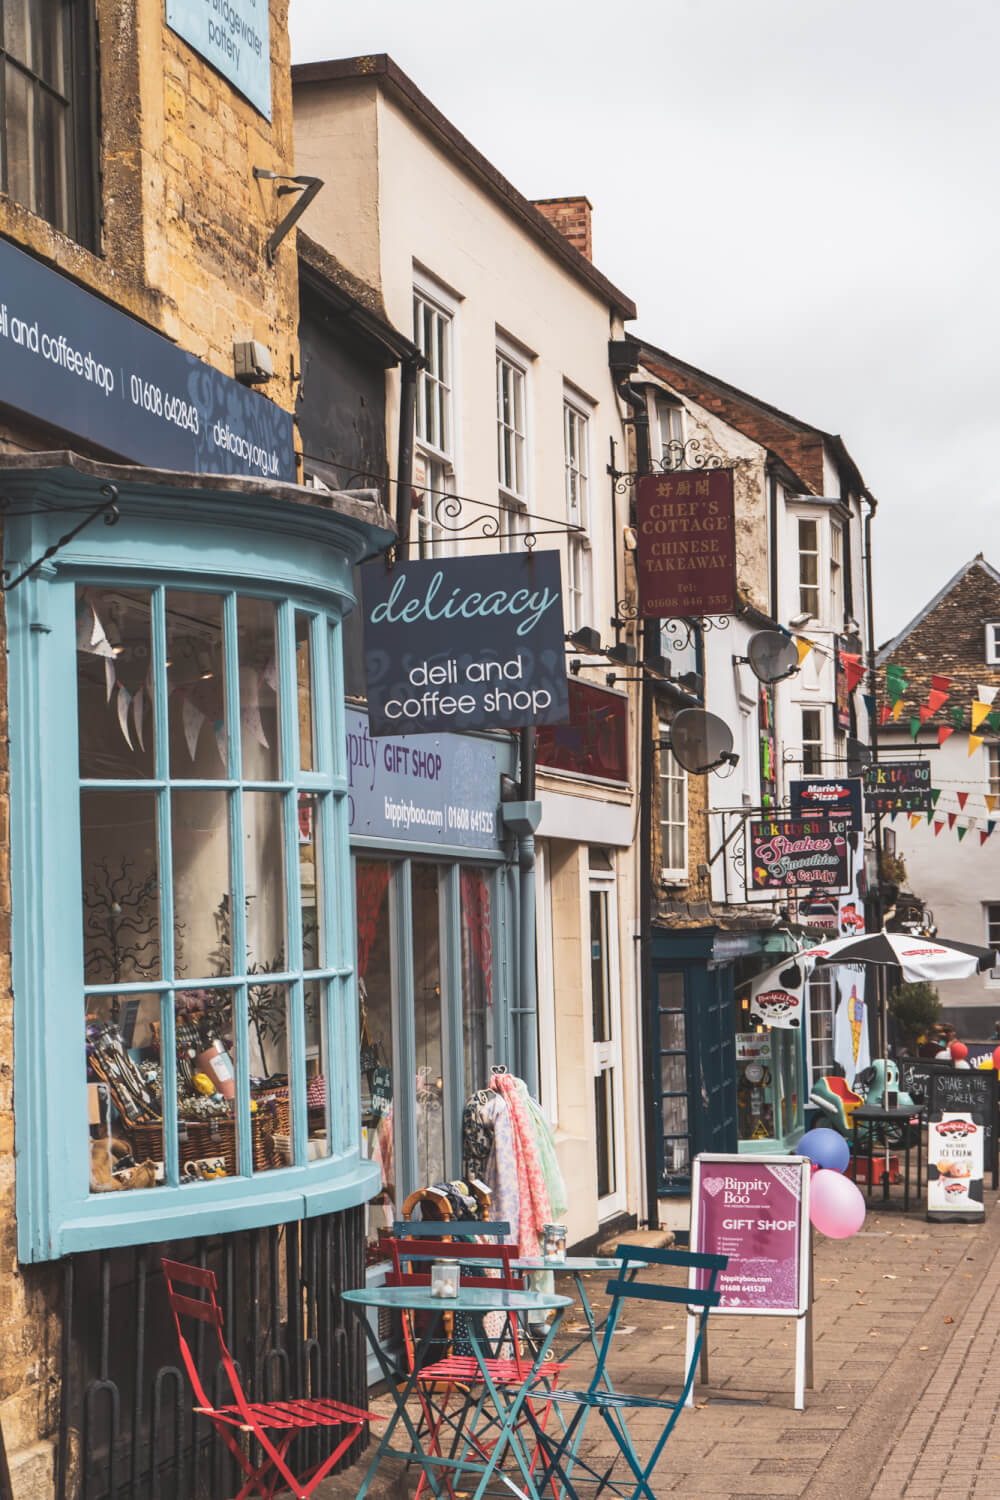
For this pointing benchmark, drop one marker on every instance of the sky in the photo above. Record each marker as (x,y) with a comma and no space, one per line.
(799,195)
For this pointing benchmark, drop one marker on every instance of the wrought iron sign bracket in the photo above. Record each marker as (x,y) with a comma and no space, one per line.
(108,508)
(307,186)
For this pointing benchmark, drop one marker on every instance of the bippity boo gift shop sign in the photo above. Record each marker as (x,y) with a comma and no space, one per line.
(465,643)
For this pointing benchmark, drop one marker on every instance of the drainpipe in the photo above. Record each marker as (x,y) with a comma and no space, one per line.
(404,462)
(650,642)
(874,904)
(773,502)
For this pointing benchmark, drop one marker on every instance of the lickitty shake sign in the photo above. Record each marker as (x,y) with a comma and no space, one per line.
(464,643)
(791,853)
(686,544)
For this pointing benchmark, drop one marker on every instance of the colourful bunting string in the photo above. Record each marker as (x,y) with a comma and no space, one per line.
(980,711)
(963,798)
(991,800)
(925,712)
(956,715)
(951,819)
(803,647)
(937,828)
(884,713)
(941,684)
(943,732)
(986,692)
(914,819)
(914,728)
(975,740)
(935,794)
(853,669)
(961,833)
(897,709)
(983,836)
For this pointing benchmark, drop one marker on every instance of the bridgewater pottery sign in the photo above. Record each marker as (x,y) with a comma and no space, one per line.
(686,544)
(798,853)
(465,643)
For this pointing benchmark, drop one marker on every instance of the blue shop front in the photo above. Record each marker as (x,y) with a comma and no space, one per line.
(435,901)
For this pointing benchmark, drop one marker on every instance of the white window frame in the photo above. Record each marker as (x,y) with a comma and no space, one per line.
(992,630)
(992,938)
(509,358)
(672,773)
(577,468)
(669,429)
(825,986)
(836,536)
(993,768)
(436,458)
(810,740)
(803,588)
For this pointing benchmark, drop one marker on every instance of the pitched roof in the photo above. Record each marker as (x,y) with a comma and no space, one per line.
(884,652)
(438,127)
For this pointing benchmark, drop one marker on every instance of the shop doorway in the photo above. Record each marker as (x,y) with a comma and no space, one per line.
(605,994)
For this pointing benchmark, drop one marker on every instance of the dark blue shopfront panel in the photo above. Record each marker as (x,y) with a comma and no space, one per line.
(73,361)
(695,1063)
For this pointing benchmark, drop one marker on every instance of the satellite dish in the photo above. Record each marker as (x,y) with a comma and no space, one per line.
(772,655)
(700,741)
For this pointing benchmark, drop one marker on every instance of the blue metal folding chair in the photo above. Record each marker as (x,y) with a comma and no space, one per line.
(562,1458)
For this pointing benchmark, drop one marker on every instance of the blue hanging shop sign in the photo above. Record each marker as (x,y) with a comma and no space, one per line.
(73,361)
(234,36)
(465,643)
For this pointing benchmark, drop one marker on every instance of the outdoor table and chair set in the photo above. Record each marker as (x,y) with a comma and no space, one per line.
(482,1407)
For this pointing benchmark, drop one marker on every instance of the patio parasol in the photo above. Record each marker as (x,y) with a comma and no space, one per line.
(919,958)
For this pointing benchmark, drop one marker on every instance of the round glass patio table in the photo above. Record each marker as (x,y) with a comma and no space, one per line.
(576,1265)
(507,1400)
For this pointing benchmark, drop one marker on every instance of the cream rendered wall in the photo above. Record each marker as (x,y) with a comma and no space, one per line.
(954,879)
(394,201)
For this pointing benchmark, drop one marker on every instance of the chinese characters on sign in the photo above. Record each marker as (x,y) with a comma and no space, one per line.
(905,787)
(686,552)
(786,853)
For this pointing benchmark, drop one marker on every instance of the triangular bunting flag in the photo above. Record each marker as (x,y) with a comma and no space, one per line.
(869,702)
(937,827)
(982,839)
(925,712)
(943,732)
(914,819)
(963,798)
(803,647)
(941,684)
(975,740)
(956,715)
(961,833)
(935,794)
(914,728)
(989,828)
(980,711)
(897,709)
(972,823)
(883,714)
(986,693)
(951,819)
(991,800)
(935,700)
(853,669)
(930,814)
(993,720)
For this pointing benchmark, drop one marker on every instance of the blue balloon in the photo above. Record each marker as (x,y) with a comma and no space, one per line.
(825,1148)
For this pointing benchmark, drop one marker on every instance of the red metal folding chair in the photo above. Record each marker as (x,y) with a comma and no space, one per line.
(257,1418)
(451,1389)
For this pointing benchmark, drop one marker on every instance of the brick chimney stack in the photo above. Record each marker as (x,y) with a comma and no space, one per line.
(571,216)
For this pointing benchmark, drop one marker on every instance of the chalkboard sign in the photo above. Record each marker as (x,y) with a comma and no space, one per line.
(945,1087)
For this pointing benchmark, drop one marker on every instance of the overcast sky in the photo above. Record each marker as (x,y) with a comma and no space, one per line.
(800,196)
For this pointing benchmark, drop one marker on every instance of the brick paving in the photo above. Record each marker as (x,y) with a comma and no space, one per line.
(904,1405)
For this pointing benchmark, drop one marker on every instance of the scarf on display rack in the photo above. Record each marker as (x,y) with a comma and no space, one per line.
(534,1209)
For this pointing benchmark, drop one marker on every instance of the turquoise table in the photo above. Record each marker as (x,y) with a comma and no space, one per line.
(575,1266)
(507,1402)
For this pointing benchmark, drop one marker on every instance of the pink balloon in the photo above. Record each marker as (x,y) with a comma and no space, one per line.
(959,1051)
(836,1206)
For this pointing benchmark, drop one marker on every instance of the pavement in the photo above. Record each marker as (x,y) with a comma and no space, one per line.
(905,1402)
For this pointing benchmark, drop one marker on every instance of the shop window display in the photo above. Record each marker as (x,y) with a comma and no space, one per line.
(191,965)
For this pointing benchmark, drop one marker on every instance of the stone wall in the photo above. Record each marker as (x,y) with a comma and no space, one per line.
(184,225)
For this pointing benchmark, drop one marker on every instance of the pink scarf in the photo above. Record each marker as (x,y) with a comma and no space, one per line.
(534,1210)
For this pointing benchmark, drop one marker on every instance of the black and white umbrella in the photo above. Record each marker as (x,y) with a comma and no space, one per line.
(918,957)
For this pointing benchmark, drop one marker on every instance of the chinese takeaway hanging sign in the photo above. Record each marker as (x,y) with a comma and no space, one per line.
(686,544)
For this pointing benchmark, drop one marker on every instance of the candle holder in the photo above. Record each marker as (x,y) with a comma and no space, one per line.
(444,1278)
(554,1242)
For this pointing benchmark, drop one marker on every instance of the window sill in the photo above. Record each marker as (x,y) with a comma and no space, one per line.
(110,1220)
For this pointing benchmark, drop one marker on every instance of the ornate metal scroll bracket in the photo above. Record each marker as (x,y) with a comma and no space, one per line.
(449,508)
(108,508)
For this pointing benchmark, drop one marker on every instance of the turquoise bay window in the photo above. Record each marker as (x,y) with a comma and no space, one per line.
(186,1027)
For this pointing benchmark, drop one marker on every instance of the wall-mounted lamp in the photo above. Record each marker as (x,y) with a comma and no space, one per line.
(624,654)
(800,619)
(307,186)
(586,639)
